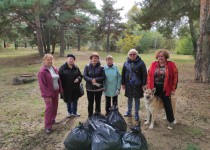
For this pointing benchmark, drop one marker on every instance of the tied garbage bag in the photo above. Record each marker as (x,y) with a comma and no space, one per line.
(116,120)
(104,137)
(134,140)
(99,117)
(79,138)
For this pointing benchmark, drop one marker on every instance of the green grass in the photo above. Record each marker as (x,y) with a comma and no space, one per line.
(194,131)
(192,147)
(11,52)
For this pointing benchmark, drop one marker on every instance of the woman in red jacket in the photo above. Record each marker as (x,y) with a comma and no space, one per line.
(163,75)
(50,87)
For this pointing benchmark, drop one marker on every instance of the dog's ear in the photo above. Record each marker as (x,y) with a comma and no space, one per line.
(154,90)
(144,88)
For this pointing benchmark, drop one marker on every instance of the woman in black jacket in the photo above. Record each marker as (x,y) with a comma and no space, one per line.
(134,77)
(71,77)
(94,76)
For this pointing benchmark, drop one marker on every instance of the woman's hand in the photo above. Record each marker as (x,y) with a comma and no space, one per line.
(123,87)
(76,80)
(48,100)
(172,93)
(94,81)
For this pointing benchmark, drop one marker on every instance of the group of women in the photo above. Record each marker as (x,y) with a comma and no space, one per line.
(162,75)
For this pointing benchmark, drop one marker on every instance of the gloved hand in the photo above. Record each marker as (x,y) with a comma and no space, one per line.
(97,84)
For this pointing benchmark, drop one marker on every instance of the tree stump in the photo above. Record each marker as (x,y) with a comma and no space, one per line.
(24,78)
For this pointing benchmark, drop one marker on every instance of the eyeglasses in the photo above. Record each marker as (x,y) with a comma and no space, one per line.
(132,54)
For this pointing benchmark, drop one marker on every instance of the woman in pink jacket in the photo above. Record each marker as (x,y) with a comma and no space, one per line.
(50,87)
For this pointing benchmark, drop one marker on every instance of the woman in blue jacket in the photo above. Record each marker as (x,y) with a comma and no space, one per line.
(112,83)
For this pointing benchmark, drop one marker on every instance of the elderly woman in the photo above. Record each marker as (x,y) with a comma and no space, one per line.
(134,76)
(94,76)
(163,75)
(71,78)
(50,87)
(112,83)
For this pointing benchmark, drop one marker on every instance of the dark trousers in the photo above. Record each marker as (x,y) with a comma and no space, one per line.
(108,102)
(94,96)
(72,107)
(166,102)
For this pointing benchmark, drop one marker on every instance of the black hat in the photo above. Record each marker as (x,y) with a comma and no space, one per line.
(71,55)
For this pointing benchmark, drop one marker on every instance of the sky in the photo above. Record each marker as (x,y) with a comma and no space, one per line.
(126,4)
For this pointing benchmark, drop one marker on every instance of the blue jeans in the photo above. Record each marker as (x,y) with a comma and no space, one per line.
(72,107)
(130,104)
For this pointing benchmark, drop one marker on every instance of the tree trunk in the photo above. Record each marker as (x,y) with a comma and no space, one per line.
(78,41)
(53,47)
(25,44)
(44,44)
(202,63)
(96,45)
(16,45)
(39,36)
(62,42)
(107,43)
(48,40)
(5,45)
(193,36)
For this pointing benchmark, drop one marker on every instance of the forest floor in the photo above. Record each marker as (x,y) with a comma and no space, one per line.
(22,108)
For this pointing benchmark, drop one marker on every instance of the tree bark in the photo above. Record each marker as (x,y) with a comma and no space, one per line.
(107,43)
(39,35)
(16,45)
(5,45)
(193,36)
(202,63)
(62,42)
(78,41)
(48,40)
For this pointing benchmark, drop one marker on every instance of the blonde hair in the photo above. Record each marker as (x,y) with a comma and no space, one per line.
(165,53)
(94,54)
(131,51)
(109,57)
(47,56)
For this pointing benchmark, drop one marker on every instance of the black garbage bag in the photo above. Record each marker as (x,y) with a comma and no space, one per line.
(99,117)
(134,140)
(79,138)
(104,137)
(116,120)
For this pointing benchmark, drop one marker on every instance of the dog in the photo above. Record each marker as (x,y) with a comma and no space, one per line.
(154,104)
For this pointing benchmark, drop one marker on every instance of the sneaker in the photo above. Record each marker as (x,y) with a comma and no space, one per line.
(136,117)
(76,115)
(48,131)
(170,126)
(175,121)
(69,115)
(128,114)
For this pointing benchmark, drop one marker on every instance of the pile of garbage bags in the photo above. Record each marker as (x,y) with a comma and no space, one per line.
(105,133)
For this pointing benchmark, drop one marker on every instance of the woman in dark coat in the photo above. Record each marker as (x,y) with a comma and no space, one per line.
(71,77)
(134,77)
(94,76)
